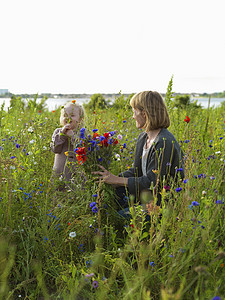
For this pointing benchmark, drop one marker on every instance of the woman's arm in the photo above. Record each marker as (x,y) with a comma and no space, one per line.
(109,178)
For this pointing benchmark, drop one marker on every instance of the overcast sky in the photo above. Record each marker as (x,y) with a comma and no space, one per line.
(105,46)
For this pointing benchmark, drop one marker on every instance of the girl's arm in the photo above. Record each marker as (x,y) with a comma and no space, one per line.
(58,140)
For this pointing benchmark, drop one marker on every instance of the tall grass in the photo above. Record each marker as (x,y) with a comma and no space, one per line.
(52,246)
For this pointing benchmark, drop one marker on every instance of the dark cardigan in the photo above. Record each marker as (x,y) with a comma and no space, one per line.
(165,157)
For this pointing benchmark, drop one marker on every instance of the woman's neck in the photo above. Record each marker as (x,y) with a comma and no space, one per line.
(152,134)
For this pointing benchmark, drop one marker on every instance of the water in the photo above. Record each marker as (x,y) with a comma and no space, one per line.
(54,103)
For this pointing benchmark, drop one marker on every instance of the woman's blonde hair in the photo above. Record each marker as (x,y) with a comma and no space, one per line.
(75,105)
(154,107)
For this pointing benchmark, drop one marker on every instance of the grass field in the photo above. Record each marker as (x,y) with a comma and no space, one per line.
(52,244)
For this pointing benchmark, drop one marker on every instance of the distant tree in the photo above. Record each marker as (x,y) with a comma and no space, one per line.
(97,101)
(121,102)
(181,101)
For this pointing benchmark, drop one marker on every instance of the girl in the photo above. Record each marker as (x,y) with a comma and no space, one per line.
(63,142)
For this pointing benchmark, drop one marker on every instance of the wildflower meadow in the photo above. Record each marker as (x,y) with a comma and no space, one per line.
(72,244)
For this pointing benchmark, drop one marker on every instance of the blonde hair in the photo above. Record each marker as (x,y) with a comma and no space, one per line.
(75,105)
(154,107)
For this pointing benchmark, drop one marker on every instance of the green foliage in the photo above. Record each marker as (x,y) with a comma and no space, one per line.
(169,95)
(121,102)
(182,246)
(97,102)
(181,101)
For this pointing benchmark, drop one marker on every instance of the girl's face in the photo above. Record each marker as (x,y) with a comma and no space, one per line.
(139,117)
(71,115)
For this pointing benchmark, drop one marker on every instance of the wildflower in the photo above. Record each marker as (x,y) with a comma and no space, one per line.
(12,157)
(95,130)
(72,234)
(219,202)
(74,101)
(167,187)
(212,177)
(124,145)
(124,121)
(187,120)
(195,203)
(170,255)
(94,209)
(151,263)
(95,284)
(66,153)
(179,169)
(216,298)
(185,181)
(92,204)
(53,111)
(186,141)
(204,193)
(178,189)
(17,146)
(89,275)
(119,136)
(94,195)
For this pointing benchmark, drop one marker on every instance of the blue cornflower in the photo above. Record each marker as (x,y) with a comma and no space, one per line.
(221,138)
(212,177)
(0,148)
(12,157)
(195,203)
(178,189)
(124,121)
(124,145)
(92,204)
(82,135)
(93,143)
(94,130)
(94,209)
(95,195)
(170,255)
(82,130)
(216,298)
(179,169)
(17,146)
(186,141)
(151,263)
(101,138)
(185,180)
(219,202)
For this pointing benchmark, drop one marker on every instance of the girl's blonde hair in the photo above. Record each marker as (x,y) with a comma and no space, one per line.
(154,107)
(75,105)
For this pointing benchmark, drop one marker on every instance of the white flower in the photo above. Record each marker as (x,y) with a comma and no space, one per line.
(218,152)
(203,193)
(32,141)
(72,234)
(119,136)
(44,148)
(30,129)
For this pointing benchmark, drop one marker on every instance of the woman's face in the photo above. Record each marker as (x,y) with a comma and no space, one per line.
(139,117)
(71,115)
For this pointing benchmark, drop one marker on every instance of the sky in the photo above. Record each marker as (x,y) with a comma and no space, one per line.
(108,46)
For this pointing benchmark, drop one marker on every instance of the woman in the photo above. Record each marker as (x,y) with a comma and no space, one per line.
(158,156)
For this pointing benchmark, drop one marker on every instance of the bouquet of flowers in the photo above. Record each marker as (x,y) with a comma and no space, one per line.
(96,149)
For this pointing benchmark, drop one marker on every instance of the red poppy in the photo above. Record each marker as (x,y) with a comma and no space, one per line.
(187,120)
(95,135)
(106,135)
(115,142)
(81,155)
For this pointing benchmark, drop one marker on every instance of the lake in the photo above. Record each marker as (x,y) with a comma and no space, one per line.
(54,103)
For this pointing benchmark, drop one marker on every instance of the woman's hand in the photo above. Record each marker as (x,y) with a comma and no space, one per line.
(109,178)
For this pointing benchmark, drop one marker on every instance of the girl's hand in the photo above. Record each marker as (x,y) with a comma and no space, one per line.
(66,128)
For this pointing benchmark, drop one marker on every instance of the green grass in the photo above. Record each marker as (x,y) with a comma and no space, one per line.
(180,256)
